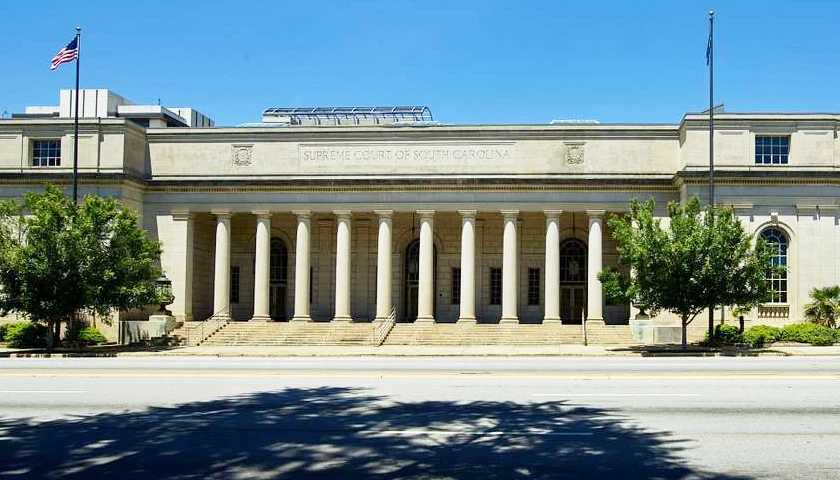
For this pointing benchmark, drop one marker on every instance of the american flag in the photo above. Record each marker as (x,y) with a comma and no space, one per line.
(66,54)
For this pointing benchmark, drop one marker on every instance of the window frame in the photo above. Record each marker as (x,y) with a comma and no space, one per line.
(235,278)
(45,161)
(779,283)
(768,152)
(456,286)
(495,291)
(533,286)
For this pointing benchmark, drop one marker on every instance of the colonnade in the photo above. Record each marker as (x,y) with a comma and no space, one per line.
(425,308)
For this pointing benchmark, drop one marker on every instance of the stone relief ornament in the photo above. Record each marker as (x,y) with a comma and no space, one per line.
(574,153)
(242,155)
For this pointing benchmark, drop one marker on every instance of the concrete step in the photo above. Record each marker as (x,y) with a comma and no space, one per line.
(292,333)
(482,334)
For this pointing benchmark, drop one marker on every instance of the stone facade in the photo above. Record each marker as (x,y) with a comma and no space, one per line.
(302,222)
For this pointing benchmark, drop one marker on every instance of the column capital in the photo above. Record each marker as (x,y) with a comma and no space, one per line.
(302,213)
(384,213)
(221,213)
(596,213)
(509,213)
(182,215)
(553,213)
(261,213)
(426,213)
(342,214)
(467,213)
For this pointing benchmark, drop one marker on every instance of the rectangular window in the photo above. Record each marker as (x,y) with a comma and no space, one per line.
(234,284)
(46,153)
(456,286)
(495,286)
(533,286)
(772,150)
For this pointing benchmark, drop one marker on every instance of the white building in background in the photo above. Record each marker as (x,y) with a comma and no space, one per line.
(340,214)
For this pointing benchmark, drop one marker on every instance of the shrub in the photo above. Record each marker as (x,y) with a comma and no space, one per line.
(26,335)
(727,335)
(809,333)
(3,328)
(825,308)
(761,335)
(90,336)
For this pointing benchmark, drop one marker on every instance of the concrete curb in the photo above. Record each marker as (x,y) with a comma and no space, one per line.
(431,351)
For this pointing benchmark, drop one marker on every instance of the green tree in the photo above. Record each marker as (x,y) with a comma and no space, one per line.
(703,258)
(825,309)
(58,259)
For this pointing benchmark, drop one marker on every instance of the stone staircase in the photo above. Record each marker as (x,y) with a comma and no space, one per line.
(609,335)
(484,334)
(293,334)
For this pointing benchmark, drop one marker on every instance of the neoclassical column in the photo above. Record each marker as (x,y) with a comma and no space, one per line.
(467,313)
(221,275)
(594,290)
(426,281)
(176,260)
(383,265)
(552,266)
(342,267)
(262,259)
(509,268)
(302,258)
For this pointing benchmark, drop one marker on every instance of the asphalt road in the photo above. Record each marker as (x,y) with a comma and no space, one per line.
(489,418)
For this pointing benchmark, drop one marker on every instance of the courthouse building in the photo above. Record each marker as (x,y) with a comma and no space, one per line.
(361,214)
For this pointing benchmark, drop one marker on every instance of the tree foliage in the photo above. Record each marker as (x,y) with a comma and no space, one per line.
(58,259)
(704,257)
(825,308)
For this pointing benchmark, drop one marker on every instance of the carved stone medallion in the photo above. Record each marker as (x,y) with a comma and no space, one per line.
(574,153)
(242,155)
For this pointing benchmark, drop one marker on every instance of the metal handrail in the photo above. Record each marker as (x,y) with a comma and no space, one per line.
(207,327)
(382,330)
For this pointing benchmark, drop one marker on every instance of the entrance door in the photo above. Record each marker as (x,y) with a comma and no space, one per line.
(277,280)
(411,280)
(572,303)
(572,280)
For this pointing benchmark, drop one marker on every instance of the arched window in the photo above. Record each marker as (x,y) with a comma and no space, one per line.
(572,261)
(779,280)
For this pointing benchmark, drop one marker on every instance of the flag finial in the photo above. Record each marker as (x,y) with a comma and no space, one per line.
(711,14)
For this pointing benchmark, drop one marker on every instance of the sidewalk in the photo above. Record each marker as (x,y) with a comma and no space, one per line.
(433,351)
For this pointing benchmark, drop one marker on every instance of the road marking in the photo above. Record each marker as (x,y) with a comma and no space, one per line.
(615,395)
(497,433)
(42,391)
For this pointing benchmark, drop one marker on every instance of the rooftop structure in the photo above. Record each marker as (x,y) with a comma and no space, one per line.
(103,103)
(347,115)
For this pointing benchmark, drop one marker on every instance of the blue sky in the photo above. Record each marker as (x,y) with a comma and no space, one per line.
(471,62)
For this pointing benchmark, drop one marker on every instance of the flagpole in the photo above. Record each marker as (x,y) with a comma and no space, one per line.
(76,120)
(711,61)
(712,108)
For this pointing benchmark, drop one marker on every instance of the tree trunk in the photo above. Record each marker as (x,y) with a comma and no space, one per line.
(684,333)
(50,336)
(711,325)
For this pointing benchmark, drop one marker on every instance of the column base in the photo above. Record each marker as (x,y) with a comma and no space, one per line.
(343,319)
(509,321)
(595,321)
(425,320)
(305,318)
(221,317)
(260,318)
(552,321)
(467,321)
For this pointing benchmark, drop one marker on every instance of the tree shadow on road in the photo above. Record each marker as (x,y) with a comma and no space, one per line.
(344,433)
